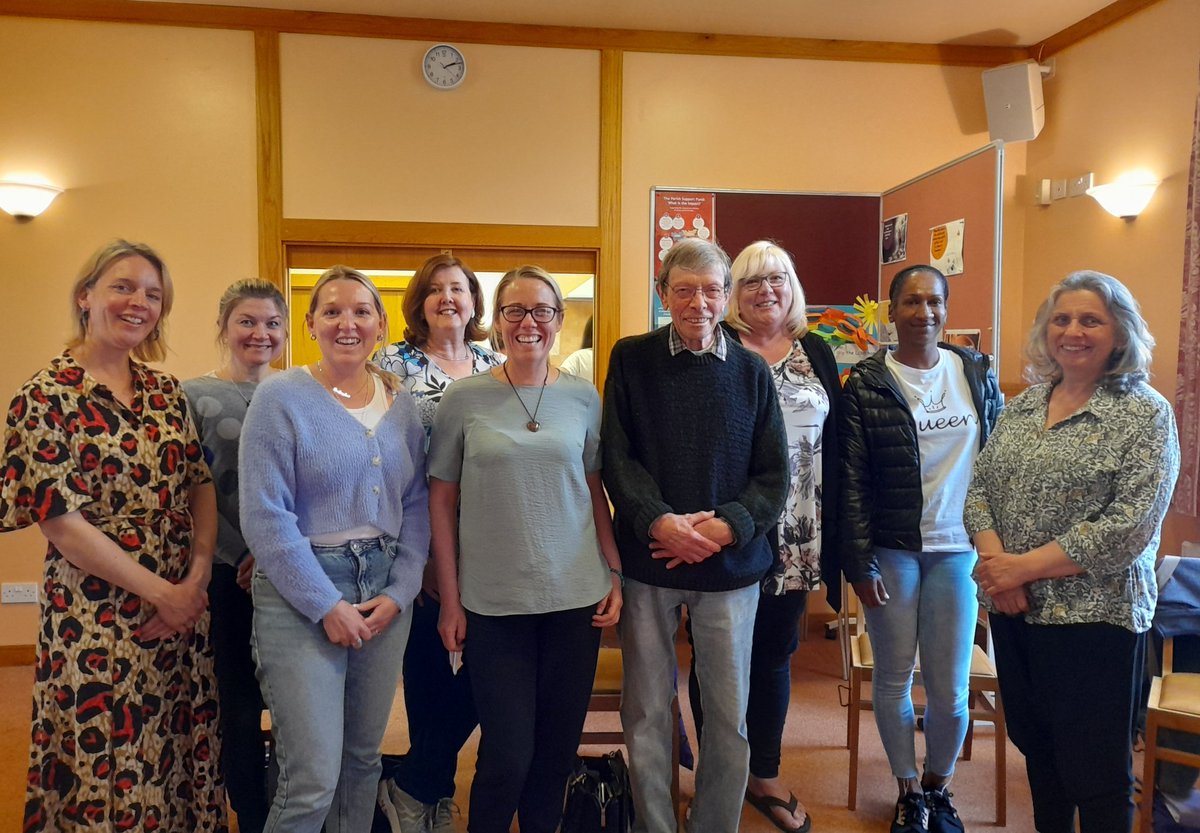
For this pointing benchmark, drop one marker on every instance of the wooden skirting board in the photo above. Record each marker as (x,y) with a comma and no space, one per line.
(16,655)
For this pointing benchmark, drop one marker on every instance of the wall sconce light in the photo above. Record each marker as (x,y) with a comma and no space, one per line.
(25,200)
(1127,196)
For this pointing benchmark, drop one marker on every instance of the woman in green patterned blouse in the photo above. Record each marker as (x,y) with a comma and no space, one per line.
(1065,509)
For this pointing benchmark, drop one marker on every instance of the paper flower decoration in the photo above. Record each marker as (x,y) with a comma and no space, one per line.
(839,326)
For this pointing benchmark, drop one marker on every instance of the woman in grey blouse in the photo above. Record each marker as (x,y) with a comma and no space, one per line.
(1065,508)
(528,569)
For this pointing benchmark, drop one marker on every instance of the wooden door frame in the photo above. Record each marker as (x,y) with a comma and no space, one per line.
(366,244)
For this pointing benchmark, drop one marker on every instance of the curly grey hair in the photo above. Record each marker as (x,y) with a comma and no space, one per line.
(1133,347)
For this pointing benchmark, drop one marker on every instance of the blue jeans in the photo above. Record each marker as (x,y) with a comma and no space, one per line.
(776,637)
(722,631)
(329,705)
(931,606)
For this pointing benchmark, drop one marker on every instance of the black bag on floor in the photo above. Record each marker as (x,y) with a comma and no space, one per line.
(598,796)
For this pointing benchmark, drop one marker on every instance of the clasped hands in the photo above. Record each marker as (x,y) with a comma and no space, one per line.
(688,538)
(1001,576)
(349,625)
(177,607)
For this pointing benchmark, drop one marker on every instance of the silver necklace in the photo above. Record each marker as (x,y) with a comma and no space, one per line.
(338,391)
(533,425)
(236,384)
(443,356)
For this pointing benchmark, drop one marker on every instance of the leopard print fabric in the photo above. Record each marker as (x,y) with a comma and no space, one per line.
(124,730)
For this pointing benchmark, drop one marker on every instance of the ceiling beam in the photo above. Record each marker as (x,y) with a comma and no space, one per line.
(1087,27)
(513,34)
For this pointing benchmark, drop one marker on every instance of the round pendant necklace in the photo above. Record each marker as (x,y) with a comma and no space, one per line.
(533,424)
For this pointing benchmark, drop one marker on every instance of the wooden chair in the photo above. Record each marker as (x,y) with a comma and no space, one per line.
(606,697)
(1174,704)
(983,704)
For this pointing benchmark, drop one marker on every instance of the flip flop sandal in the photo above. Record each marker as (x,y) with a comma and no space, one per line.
(766,803)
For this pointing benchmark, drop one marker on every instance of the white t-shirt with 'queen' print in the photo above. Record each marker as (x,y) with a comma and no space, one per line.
(947,439)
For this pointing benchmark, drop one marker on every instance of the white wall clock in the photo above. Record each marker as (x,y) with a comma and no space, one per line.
(444,66)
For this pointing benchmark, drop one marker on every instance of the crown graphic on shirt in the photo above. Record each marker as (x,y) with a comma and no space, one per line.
(932,406)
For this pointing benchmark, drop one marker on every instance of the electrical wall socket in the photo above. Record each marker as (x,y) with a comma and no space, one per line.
(1077,186)
(23,593)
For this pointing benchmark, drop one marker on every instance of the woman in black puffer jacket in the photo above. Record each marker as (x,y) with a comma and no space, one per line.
(912,421)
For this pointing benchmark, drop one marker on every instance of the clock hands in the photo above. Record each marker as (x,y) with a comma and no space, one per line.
(453,64)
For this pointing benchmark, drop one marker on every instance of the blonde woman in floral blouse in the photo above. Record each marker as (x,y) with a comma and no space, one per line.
(1065,508)
(767,314)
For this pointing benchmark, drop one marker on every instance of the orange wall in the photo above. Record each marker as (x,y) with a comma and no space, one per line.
(365,138)
(773,124)
(1120,100)
(152,131)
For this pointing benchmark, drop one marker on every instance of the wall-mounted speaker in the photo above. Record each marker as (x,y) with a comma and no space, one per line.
(1015,110)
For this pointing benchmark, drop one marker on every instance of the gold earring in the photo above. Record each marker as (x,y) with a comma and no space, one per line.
(312,336)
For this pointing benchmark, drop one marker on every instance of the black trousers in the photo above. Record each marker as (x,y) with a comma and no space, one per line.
(1071,695)
(441,711)
(532,678)
(242,752)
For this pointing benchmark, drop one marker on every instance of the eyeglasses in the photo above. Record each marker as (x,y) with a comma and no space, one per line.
(687,293)
(755,284)
(515,313)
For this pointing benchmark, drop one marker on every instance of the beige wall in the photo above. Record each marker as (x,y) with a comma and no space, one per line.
(1122,99)
(703,122)
(152,131)
(365,138)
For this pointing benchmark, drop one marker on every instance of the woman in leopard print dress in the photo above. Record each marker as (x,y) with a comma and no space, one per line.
(100,452)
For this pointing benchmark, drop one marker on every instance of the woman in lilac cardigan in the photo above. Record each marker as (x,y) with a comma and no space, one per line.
(335,509)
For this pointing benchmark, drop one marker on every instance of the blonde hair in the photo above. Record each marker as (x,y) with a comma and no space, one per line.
(154,347)
(755,260)
(245,290)
(344,273)
(535,273)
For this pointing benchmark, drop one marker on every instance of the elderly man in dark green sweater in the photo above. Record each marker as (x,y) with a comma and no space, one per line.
(695,461)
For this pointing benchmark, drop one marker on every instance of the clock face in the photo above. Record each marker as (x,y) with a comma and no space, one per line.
(444,66)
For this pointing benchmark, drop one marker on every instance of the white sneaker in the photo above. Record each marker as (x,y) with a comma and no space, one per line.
(412,815)
(387,808)
(442,816)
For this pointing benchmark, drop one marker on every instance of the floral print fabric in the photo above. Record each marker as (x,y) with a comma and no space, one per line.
(805,404)
(423,378)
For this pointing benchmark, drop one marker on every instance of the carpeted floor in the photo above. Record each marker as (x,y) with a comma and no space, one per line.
(815,759)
